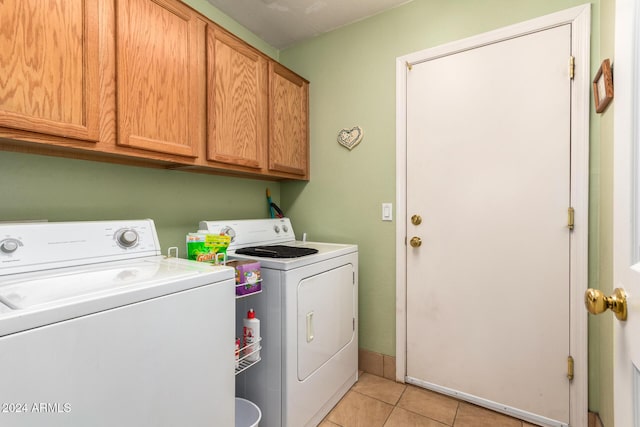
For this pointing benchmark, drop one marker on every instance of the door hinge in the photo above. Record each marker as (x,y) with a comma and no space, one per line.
(409,66)
(570,218)
(353,278)
(354,324)
(572,67)
(570,368)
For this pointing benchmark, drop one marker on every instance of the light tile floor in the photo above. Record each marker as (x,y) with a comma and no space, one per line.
(376,401)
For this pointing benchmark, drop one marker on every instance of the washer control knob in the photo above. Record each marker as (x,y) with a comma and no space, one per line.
(9,246)
(127,238)
(276,228)
(285,228)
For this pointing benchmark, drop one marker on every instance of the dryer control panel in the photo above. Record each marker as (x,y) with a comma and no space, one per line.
(252,232)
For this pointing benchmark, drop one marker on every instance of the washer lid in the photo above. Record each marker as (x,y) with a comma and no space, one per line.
(78,283)
(4,309)
(30,300)
(28,291)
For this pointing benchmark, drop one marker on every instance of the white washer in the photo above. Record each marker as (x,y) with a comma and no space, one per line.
(309,323)
(98,329)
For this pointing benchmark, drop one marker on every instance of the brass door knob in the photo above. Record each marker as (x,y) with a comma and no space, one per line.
(416,220)
(596,302)
(415,242)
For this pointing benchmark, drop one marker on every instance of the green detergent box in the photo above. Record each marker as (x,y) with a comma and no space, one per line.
(207,247)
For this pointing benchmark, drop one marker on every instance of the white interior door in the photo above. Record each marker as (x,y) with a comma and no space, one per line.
(488,167)
(627,214)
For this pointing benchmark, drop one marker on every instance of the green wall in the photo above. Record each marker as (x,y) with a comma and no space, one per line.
(36,187)
(352,74)
(601,248)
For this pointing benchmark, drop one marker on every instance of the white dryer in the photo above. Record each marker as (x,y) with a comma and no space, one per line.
(98,329)
(309,320)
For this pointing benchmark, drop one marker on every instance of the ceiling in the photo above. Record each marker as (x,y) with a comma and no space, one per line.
(283,23)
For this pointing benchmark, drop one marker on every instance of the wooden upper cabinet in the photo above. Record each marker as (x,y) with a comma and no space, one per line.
(146,81)
(159,76)
(49,67)
(288,122)
(237,78)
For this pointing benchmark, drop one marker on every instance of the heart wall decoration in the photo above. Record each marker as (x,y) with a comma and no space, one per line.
(349,138)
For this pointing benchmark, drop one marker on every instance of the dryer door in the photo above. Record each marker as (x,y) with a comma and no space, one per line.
(326,317)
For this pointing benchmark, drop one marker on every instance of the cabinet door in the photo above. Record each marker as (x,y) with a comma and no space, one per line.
(49,67)
(158,46)
(237,101)
(288,120)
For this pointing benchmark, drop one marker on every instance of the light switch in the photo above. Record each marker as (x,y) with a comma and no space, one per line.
(387,211)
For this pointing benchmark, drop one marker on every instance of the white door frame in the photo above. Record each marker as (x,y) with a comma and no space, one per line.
(580,20)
